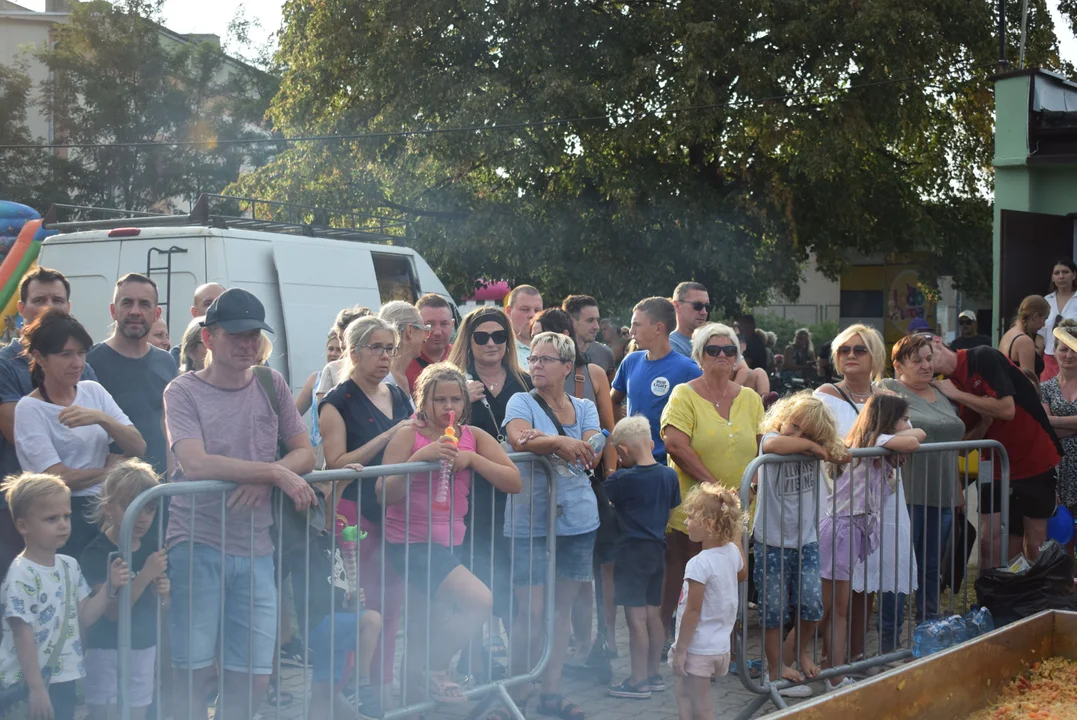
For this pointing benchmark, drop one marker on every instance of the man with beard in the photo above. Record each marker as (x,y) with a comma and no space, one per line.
(134,371)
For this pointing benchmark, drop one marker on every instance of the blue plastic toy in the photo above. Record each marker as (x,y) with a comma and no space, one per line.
(1060,526)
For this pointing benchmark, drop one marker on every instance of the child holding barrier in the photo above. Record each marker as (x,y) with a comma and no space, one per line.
(707,610)
(424,521)
(785,529)
(852,521)
(46,602)
(643,494)
(121,485)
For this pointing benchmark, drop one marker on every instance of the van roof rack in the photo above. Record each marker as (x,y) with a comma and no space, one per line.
(241,213)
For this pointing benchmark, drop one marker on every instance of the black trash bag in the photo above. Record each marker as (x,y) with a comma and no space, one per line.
(1047,585)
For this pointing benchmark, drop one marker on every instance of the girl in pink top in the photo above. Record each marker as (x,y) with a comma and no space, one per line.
(442,594)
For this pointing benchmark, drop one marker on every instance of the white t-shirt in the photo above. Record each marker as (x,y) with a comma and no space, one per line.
(790,497)
(41,441)
(35,594)
(329,378)
(1068,312)
(717,570)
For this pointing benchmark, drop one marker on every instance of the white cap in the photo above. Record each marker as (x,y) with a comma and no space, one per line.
(968,315)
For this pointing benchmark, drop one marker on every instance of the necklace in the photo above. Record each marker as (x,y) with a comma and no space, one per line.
(856,394)
(559,406)
(494,385)
(718,402)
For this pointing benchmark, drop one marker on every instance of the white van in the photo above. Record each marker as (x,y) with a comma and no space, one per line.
(302,281)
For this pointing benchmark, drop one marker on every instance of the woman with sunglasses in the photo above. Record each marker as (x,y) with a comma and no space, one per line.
(1063,307)
(1019,344)
(357,419)
(711,429)
(412,331)
(859,355)
(493,377)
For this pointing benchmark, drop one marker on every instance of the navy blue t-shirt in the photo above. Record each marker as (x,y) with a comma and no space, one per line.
(643,497)
(647,385)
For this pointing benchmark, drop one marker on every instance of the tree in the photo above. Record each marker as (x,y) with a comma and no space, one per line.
(711,140)
(118,78)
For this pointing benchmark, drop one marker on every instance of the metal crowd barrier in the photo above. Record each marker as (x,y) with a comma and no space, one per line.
(487,691)
(918,474)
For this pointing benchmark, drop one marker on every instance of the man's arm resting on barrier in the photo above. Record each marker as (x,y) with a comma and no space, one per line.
(197,464)
(994,408)
(679,447)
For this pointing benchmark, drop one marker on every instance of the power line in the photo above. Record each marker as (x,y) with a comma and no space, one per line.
(383,135)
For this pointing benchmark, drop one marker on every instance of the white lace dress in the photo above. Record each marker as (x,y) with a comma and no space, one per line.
(896,528)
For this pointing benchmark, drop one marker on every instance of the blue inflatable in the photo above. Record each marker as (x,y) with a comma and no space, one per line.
(12,217)
(1060,526)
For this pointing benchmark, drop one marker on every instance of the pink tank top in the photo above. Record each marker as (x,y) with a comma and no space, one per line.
(413,520)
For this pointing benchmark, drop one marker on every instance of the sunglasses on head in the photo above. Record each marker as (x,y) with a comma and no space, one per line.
(500,337)
(716,350)
(697,306)
(856,350)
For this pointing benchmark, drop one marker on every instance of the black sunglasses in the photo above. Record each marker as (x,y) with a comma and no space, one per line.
(697,306)
(500,337)
(964,321)
(716,350)
(857,350)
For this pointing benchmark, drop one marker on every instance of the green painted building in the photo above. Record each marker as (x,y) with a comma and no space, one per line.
(1035,185)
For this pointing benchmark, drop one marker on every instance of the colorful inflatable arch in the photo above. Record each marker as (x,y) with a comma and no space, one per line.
(20,242)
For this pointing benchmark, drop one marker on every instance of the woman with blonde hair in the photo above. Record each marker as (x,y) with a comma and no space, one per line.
(1019,343)
(412,331)
(192,355)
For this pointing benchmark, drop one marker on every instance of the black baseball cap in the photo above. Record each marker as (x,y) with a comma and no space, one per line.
(237,311)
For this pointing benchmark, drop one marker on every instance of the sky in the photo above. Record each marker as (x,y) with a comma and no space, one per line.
(213,16)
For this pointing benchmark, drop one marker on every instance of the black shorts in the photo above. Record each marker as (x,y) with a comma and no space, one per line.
(426,566)
(637,573)
(1032,498)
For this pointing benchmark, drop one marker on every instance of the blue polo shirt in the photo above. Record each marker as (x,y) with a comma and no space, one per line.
(647,385)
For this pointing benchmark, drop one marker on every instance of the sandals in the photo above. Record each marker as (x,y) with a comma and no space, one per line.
(555,705)
(444,690)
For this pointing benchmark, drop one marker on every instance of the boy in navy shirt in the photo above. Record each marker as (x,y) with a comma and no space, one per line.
(643,494)
(647,377)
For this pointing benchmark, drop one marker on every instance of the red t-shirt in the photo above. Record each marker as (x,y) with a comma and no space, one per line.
(419,364)
(1029,439)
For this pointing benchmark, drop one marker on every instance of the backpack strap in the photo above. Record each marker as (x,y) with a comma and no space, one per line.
(264,376)
(549,412)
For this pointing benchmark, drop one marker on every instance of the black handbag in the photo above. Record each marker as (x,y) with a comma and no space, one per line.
(609,527)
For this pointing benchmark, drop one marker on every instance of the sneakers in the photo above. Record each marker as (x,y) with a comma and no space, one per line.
(846,682)
(293,653)
(368,698)
(654,683)
(628,690)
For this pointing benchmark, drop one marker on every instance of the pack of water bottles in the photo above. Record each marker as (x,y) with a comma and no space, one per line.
(935,635)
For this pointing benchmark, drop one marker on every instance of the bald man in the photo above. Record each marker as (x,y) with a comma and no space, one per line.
(204,297)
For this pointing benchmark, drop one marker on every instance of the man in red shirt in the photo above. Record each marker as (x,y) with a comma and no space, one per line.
(437,316)
(999,403)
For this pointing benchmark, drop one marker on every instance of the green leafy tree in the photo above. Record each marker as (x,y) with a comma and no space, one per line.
(724,142)
(117,78)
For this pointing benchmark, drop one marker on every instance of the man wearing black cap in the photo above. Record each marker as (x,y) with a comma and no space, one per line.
(221,425)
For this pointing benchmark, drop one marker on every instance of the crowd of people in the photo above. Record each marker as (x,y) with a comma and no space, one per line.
(462,554)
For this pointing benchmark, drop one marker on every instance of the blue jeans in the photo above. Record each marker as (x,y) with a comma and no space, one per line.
(930,533)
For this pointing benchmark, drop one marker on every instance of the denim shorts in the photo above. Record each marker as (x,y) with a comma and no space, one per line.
(423,566)
(575,559)
(784,579)
(250,609)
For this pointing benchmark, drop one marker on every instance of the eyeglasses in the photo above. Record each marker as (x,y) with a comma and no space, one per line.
(698,306)
(716,350)
(379,350)
(855,350)
(500,337)
(425,328)
(543,360)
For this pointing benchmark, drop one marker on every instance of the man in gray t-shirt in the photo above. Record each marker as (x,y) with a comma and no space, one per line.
(693,306)
(583,309)
(221,425)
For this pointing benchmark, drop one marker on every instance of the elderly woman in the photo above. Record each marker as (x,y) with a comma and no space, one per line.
(859,355)
(1019,344)
(711,429)
(549,421)
(413,333)
(66,425)
(930,480)
(1060,401)
(493,378)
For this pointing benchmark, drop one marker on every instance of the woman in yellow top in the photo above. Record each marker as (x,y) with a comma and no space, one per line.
(711,431)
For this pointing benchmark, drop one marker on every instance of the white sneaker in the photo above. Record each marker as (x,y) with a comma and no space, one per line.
(846,682)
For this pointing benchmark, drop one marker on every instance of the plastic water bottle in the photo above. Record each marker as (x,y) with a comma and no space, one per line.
(441,495)
(931,637)
(979,622)
(598,442)
(957,627)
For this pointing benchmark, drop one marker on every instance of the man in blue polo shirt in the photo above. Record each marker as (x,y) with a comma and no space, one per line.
(647,377)
(39,290)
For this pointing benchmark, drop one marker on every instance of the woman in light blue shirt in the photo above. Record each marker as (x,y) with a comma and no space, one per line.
(530,427)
